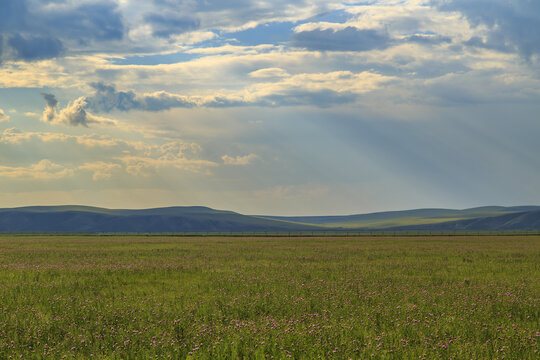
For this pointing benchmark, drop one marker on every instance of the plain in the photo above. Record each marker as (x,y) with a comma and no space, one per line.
(134,297)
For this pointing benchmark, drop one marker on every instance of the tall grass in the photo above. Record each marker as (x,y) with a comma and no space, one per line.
(263,298)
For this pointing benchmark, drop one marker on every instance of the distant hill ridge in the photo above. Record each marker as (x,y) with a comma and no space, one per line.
(396,219)
(527,220)
(87,219)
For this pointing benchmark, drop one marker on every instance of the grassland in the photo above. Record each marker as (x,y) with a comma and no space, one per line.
(458,297)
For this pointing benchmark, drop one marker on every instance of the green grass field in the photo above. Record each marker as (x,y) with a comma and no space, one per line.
(460,297)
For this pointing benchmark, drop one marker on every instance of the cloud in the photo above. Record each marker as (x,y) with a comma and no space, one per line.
(174,154)
(3,116)
(268,73)
(35,47)
(107,98)
(512,25)
(171,24)
(16,136)
(424,39)
(43,170)
(13,14)
(101,170)
(347,39)
(133,27)
(321,90)
(49,114)
(101,156)
(323,98)
(98,21)
(73,114)
(37,30)
(240,14)
(239,160)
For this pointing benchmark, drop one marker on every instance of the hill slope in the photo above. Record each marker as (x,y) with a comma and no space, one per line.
(528,220)
(393,219)
(84,219)
(68,219)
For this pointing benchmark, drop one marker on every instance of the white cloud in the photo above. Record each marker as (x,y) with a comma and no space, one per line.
(318,89)
(269,73)
(101,170)
(144,166)
(43,170)
(3,116)
(104,157)
(174,154)
(44,73)
(73,114)
(194,37)
(239,160)
(232,49)
(16,136)
(338,81)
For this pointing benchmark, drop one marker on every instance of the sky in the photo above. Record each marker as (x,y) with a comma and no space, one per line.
(297,107)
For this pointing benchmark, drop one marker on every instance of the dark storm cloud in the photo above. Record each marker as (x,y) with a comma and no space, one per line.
(167,25)
(34,31)
(35,48)
(514,25)
(348,39)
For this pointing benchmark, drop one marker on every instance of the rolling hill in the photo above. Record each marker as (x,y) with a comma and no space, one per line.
(528,220)
(196,219)
(81,219)
(396,219)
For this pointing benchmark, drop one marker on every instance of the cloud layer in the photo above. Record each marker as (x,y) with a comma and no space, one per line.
(348,39)
(511,25)
(34,30)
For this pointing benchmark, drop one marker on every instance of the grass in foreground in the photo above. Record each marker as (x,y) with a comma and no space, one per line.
(264,298)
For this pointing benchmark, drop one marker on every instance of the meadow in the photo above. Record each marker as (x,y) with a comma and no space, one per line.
(137,297)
